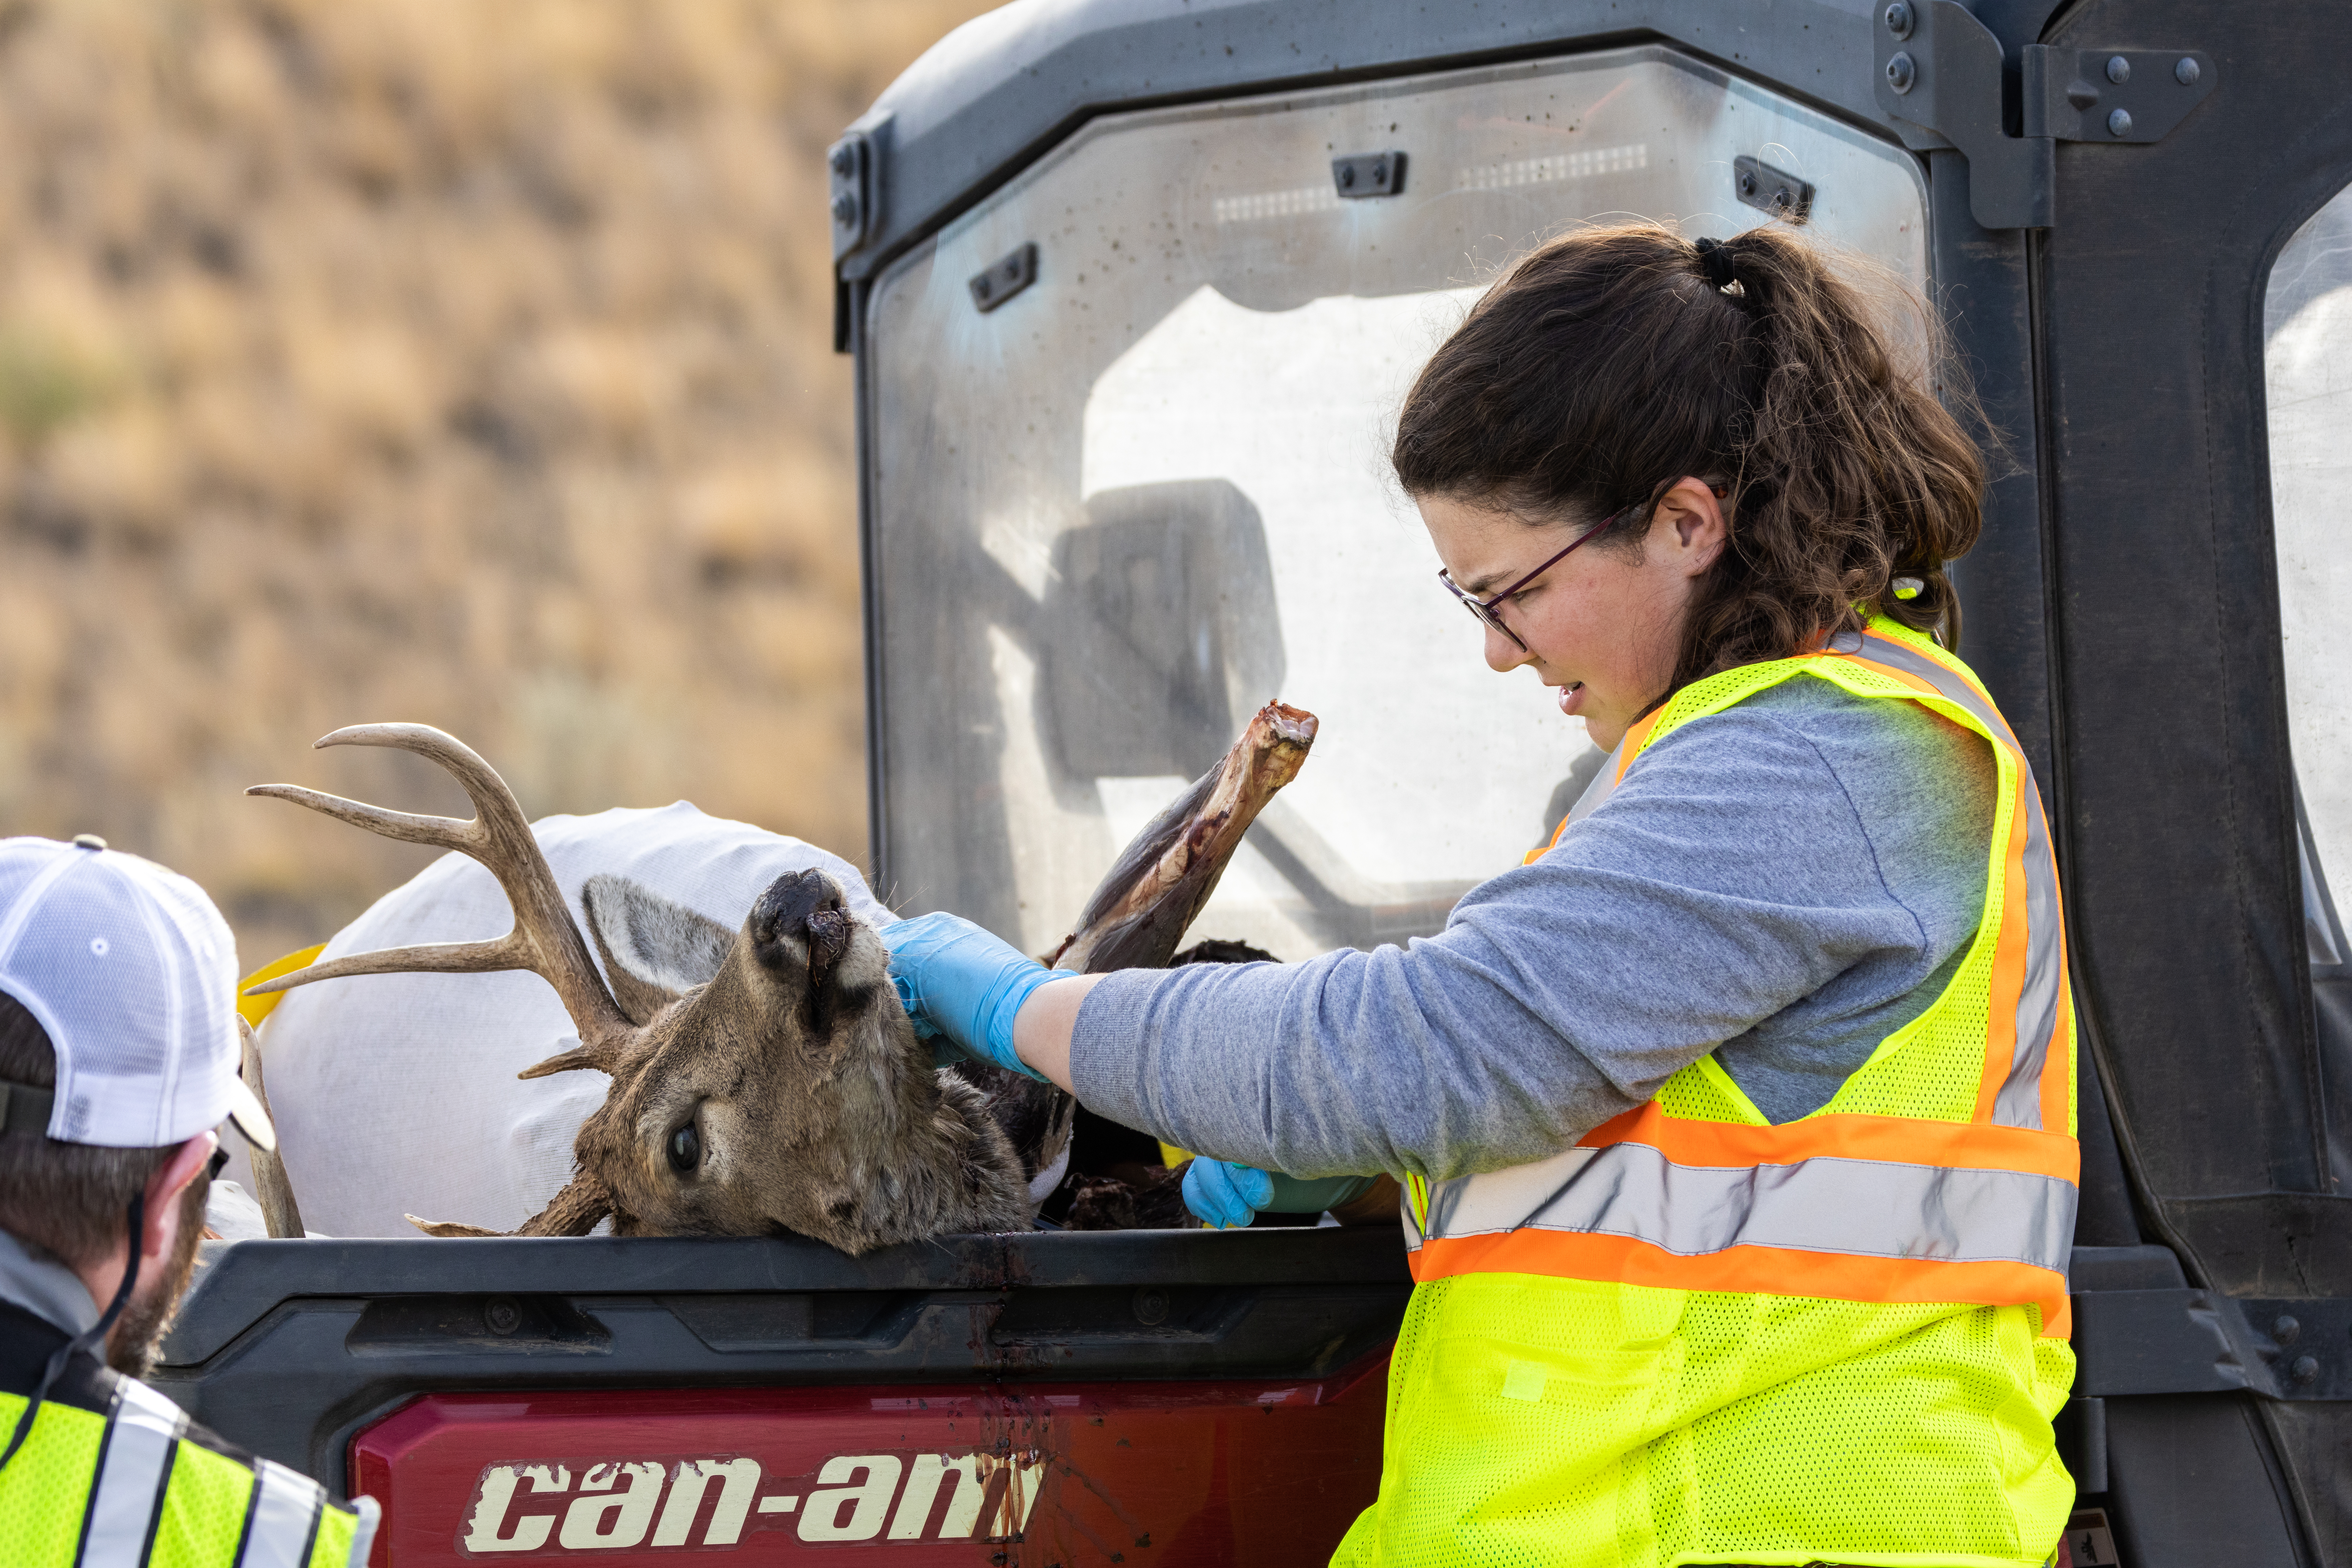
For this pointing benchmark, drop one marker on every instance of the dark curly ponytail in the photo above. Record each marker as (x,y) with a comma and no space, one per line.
(1613,360)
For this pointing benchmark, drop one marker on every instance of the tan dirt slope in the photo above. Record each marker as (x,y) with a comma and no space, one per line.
(466,363)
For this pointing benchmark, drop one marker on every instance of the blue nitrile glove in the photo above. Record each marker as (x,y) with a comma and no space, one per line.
(1225,1194)
(957,981)
(1222,1195)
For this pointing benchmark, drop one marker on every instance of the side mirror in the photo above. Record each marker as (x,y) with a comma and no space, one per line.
(1159,633)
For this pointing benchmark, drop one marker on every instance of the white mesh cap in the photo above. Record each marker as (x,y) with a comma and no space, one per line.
(132,973)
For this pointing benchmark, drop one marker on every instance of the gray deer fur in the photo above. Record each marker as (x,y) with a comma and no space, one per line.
(767,1079)
(816,1108)
(764,1080)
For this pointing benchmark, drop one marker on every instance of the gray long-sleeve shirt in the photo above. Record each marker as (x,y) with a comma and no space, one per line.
(1785,883)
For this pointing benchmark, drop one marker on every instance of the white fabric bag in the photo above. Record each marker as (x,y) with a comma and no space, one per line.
(396,1093)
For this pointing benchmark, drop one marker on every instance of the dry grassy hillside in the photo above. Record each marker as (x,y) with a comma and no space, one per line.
(466,362)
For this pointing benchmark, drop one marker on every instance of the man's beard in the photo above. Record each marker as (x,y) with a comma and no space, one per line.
(131,1344)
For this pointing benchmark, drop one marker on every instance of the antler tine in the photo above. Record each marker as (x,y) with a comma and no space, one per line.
(508,952)
(545,940)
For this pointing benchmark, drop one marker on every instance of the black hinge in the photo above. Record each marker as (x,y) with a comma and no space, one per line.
(848,166)
(1011,272)
(1775,191)
(1356,175)
(1939,68)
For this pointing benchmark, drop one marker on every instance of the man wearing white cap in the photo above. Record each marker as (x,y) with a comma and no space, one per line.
(119,1055)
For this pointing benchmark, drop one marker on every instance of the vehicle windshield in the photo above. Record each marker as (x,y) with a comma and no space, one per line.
(1125,504)
(2307,329)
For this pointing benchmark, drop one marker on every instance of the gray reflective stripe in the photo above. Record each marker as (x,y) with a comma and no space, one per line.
(284,1513)
(2018,1102)
(1867,1209)
(363,1536)
(136,1459)
(1603,786)
(1911,661)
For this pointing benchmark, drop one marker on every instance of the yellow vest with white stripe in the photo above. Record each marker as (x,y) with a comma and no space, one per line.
(1700,1338)
(114,1475)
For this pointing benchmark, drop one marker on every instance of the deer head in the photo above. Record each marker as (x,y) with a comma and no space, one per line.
(765,1080)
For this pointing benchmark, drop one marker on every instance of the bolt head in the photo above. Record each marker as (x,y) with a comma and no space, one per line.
(1747,184)
(2285,1329)
(843,160)
(1898,18)
(501,1316)
(2118,70)
(2119,122)
(2186,71)
(2305,1369)
(844,209)
(1901,72)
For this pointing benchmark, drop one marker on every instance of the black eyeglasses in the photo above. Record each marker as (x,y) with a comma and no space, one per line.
(218,1162)
(1489,611)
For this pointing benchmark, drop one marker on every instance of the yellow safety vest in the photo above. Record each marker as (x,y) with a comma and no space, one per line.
(114,1475)
(1700,1338)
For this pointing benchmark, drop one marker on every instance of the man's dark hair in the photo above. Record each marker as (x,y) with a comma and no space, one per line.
(69,1199)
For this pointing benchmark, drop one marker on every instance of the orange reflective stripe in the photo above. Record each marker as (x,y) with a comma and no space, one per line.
(1932,1210)
(1770,1270)
(1637,735)
(1905,1140)
(2008,977)
(2017,938)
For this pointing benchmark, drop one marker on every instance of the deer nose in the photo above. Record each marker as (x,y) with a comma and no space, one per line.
(785,909)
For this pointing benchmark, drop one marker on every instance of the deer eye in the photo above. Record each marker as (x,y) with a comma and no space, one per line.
(685,1150)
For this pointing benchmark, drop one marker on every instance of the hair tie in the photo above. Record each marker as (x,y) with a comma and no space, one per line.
(1715,261)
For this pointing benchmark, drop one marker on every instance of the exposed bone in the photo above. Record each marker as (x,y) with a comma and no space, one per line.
(271,1190)
(1142,907)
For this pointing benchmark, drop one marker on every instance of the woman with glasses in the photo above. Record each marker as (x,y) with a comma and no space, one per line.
(1736,1128)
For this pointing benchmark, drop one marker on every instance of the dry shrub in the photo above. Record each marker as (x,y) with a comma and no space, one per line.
(412,358)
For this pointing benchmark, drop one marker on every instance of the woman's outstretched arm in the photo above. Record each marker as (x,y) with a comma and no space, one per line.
(1042,1031)
(1732,878)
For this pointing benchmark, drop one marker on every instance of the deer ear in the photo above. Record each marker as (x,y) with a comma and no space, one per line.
(655,950)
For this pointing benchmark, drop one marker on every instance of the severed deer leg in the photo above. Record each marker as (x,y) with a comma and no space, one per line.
(1134,920)
(1139,911)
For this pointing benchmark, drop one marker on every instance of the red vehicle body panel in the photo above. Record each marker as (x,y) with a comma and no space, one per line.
(1201,1473)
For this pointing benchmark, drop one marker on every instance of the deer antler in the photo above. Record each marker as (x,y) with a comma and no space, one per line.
(544,939)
